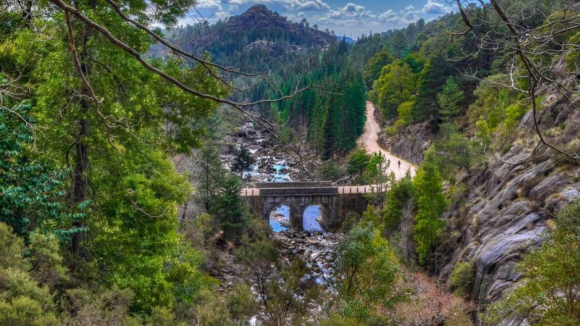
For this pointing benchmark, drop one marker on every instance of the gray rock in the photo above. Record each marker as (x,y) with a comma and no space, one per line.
(548,186)
(570,194)
(492,254)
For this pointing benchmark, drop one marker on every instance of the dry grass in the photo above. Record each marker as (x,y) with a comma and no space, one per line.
(430,305)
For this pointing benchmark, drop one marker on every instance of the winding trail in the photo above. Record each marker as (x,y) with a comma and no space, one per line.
(369,140)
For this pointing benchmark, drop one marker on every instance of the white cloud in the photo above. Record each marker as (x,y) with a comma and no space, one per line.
(435,8)
(208,4)
(389,14)
(311,5)
(351,11)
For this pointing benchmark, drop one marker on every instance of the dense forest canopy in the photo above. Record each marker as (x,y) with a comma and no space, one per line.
(97,110)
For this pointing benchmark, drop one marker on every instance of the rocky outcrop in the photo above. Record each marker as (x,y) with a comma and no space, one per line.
(410,143)
(503,213)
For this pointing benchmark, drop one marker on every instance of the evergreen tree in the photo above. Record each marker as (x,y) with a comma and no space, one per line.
(230,209)
(399,194)
(430,83)
(431,204)
(357,161)
(243,161)
(211,174)
(449,100)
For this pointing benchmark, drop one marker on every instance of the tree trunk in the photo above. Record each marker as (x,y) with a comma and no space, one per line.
(80,182)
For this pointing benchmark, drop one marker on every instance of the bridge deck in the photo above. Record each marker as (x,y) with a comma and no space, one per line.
(312,191)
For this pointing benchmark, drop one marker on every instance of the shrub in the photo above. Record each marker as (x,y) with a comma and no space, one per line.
(350,222)
(329,170)
(462,277)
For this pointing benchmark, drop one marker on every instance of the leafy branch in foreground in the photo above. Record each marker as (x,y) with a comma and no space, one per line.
(531,34)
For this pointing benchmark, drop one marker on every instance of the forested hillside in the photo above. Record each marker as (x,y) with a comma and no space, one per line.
(288,56)
(487,99)
(125,140)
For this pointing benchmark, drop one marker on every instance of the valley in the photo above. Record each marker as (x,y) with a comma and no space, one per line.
(267,165)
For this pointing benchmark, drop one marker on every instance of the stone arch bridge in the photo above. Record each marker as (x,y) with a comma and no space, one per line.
(335,201)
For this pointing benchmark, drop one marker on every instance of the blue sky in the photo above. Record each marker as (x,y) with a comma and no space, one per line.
(350,18)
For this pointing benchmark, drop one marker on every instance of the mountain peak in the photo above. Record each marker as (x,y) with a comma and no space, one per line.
(260,8)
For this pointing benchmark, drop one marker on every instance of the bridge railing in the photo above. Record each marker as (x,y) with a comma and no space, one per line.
(298,192)
(290,189)
(278,185)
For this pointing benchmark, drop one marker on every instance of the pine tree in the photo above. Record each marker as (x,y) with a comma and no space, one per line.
(243,161)
(449,100)
(431,204)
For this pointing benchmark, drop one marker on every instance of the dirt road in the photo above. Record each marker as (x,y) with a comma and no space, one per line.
(369,139)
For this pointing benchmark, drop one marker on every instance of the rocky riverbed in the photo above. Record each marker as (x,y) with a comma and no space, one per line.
(316,249)
(272,164)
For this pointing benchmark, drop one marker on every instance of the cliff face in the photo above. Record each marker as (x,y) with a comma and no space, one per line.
(503,211)
(410,143)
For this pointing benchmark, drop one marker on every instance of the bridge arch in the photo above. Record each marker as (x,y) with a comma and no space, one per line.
(313,216)
(298,196)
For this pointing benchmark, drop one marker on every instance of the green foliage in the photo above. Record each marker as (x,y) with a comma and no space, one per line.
(32,192)
(513,115)
(548,295)
(118,150)
(491,102)
(136,239)
(345,115)
(482,135)
(24,311)
(339,320)
(243,160)
(46,260)
(573,58)
(430,83)
(230,208)
(366,271)
(373,67)
(395,86)
(350,221)
(357,161)
(371,217)
(258,256)
(331,171)
(375,172)
(241,304)
(405,112)
(211,175)
(23,301)
(11,250)
(397,197)
(431,204)
(110,307)
(455,150)
(288,297)
(160,317)
(462,278)
(449,100)
(211,310)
